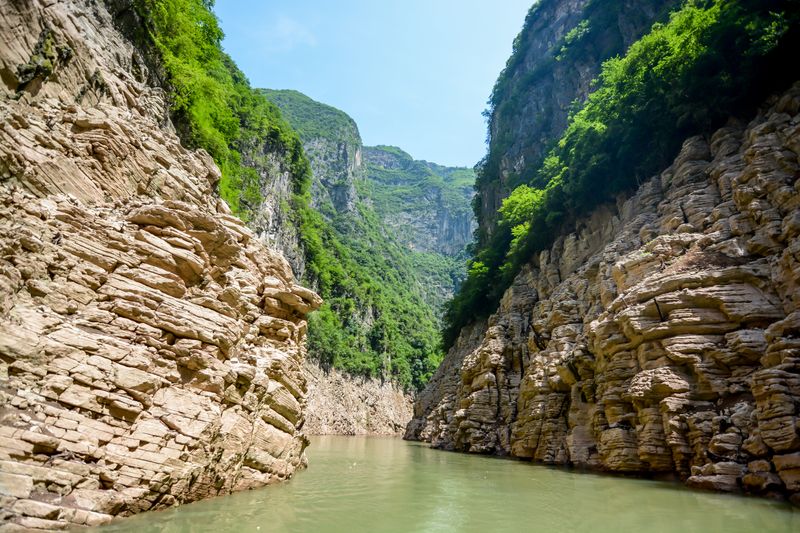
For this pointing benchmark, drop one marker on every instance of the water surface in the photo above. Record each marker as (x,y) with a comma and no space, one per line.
(383,485)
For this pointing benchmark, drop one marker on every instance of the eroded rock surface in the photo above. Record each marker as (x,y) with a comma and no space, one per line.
(660,337)
(340,404)
(151,346)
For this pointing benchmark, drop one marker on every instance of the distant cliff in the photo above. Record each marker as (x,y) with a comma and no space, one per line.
(427,206)
(391,235)
(333,146)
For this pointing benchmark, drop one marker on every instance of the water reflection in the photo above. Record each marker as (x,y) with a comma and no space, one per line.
(376,485)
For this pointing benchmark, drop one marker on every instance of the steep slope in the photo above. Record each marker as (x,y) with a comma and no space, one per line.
(150,344)
(661,336)
(645,324)
(333,146)
(426,208)
(381,315)
(555,58)
(265,175)
(425,205)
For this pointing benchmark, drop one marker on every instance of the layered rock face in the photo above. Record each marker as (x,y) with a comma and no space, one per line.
(151,346)
(340,404)
(661,337)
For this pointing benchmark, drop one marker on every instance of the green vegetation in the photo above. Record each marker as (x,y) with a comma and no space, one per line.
(440,274)
(401,188)
(312,119)
(377,320)
(713,59)
(213,105)
(397,182)
(595,38)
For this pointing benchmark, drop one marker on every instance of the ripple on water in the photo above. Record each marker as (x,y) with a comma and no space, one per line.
(382,485)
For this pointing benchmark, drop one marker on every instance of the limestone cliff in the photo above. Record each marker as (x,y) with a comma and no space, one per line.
(333,146)
(342,404)
(151,346)
(426,205)
(660,337)
(427,208)
(555,58)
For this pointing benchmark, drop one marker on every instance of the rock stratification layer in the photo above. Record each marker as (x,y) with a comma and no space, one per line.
(660,337)
(340,404)
(151,347)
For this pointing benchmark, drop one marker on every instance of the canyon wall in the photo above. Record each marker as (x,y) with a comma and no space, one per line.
(660,337)
(555,58)
(151,346)
(386,248)
(341,404)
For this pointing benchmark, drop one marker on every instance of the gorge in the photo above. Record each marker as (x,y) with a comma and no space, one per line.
(200,278)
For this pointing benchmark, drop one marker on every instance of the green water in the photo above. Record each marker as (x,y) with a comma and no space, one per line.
(380,485)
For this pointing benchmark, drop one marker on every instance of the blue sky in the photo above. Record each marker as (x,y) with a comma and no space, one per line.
(412,73)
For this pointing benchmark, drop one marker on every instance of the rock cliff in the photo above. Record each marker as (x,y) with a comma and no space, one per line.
(151,346)
(660,337)
(427,206)
(341,404)
(555,59)
(333,146)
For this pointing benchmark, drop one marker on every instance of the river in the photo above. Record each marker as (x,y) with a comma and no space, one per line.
(385,485)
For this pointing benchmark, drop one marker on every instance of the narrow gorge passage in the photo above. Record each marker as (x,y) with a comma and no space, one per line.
(228,304)
(369,484)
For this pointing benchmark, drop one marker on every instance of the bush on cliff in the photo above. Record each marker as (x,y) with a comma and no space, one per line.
(212,102)
(712,60)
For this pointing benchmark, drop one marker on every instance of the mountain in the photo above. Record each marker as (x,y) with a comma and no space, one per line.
(426,207)
(392,234)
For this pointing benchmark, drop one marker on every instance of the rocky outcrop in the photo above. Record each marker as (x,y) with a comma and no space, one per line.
(339,404)
(151,346)
(151,356)
(660,337)
(435,404)
(337,165)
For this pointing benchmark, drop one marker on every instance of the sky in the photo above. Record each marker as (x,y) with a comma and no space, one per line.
(412,73)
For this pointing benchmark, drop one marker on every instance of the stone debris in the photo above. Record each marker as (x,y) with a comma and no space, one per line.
(151,346)
(660,337)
